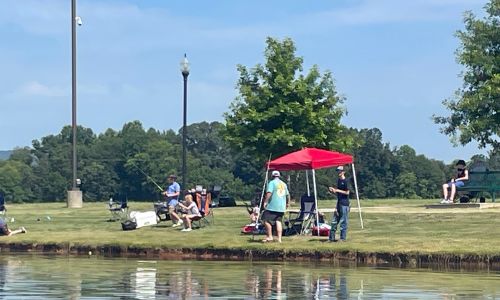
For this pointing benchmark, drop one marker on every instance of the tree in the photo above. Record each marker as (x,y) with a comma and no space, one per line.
(475,111)
(279,110)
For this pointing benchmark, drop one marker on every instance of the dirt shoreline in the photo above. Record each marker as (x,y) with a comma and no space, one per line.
(407,260)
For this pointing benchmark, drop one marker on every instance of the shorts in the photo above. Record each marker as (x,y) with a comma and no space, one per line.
(272,217)
(172,204)
(171,209)
(457,183)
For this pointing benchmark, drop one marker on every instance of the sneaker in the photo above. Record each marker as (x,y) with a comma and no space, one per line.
(187,229)
(332,241)
(444,201)
(176,225)
(180,222)
(23,230)
(342,241)
(450,201)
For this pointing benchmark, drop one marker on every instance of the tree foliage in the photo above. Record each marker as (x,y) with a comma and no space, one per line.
(476,106)
(279,109)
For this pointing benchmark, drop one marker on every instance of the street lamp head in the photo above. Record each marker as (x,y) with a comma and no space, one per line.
(79,21)
(185,65)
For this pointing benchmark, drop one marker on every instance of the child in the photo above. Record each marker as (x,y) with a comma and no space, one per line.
(457,181)
(4,229)
(191,212)
(254,214)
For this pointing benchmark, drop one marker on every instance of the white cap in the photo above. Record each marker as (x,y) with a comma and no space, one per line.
(340,168)
(276,173)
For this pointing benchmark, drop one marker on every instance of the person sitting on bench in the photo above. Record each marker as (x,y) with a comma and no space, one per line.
(4,229)
(191,210)
(457,181)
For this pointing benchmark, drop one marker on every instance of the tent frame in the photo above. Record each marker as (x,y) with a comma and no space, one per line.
(313,171)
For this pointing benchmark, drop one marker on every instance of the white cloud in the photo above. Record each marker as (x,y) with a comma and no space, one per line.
(397,11)
(35,88)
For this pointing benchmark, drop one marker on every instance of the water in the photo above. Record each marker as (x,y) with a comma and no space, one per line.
(62,277)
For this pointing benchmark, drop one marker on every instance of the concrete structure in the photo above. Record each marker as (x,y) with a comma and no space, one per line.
(75,199)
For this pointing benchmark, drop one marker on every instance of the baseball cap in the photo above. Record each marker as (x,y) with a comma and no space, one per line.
(276,173)
(340,169)
(172,176)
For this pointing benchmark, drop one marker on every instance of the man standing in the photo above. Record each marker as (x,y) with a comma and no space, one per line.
(275,203)
(341,211)
(172,194)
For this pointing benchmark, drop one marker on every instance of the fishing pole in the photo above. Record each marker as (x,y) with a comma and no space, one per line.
(262,197)
(147,176)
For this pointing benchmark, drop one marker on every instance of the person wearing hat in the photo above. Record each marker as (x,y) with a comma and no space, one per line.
(275,203)
(172,198)
(341,210)
(457,181)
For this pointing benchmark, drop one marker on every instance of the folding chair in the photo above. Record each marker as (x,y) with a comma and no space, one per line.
(302,223)
(3,209)
(161,210)
(118,207)
(204,202)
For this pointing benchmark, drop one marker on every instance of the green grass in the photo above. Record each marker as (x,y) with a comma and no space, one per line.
(390,226)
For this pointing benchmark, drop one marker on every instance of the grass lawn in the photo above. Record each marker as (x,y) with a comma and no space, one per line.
(391,226)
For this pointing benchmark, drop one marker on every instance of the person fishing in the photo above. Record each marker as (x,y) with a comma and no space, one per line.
(341,210)
(171,194)
(275,203)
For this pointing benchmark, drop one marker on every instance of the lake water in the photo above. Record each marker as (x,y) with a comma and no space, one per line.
(56,277)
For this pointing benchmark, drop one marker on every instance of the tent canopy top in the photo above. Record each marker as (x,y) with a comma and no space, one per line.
(310,158)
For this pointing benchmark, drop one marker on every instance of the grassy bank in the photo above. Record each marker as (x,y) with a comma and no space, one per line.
(391,226)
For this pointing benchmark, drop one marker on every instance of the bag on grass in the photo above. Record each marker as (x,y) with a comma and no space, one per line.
(129,225)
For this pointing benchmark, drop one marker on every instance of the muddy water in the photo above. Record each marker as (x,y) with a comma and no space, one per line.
(63,277)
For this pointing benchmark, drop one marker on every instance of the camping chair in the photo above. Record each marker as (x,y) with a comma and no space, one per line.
(204,203)
(3,209)
(118,207)
(161,210)
(303,221)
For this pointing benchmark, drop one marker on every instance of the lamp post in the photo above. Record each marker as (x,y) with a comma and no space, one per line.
(185,74)
(73,88)
(74,195)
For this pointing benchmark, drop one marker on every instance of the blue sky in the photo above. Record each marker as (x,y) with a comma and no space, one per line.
(393,60)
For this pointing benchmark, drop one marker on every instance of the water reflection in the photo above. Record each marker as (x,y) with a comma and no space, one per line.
(50,277)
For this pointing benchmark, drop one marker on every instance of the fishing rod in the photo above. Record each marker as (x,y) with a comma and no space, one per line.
(147,176)
(262,197)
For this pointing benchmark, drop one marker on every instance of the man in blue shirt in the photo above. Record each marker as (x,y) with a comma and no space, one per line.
(275,203)
(172,198)
(341,211)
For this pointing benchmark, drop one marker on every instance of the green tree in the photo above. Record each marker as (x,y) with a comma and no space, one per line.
(16,179)
(279,109)
(475,110)
(373,163)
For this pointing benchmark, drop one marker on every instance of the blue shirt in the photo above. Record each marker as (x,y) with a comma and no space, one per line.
(174,187)
(279,193)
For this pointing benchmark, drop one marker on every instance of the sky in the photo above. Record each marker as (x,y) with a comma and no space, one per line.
(393,60)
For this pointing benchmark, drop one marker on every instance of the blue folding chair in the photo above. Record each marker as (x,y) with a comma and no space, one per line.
(301,222)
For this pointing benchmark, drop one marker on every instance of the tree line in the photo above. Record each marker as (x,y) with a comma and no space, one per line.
(117,161)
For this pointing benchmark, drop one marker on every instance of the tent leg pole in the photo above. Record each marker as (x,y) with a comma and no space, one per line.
(307,183)
(357,195)
(315,199)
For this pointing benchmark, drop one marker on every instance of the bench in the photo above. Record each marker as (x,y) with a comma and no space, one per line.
(479,182)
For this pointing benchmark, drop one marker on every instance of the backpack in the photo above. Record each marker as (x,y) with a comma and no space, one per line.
(129,225)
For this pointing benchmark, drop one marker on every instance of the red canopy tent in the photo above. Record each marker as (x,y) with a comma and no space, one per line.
(312,159)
